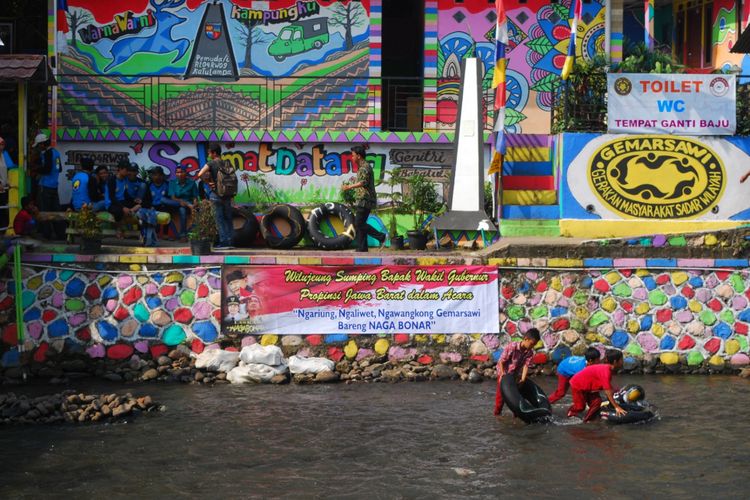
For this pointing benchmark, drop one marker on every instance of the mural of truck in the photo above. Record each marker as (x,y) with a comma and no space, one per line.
(300,37)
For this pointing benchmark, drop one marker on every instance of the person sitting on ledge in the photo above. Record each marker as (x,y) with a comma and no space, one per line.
(86,188)
(183,191)
(24,224)
(159,190)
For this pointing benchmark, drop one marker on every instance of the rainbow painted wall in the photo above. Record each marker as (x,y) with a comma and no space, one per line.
(691,310)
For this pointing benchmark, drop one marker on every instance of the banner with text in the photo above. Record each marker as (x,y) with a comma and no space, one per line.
(671,104)
(304,300)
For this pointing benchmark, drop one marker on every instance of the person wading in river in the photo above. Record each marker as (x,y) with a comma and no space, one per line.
(515,360)
(587,383)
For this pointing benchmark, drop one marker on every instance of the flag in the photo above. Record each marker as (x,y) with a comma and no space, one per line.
(62,16)
(498,83)
(571,57)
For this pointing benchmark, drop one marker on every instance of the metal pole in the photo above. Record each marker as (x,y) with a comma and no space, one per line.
(17,277)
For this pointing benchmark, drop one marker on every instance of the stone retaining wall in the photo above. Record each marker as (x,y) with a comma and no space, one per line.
(662,319)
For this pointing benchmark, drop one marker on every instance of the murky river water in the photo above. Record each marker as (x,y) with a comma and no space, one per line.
(408,440)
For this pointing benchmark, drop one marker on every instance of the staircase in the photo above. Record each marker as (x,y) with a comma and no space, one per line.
(529,188)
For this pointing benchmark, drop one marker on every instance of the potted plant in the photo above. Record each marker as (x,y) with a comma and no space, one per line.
(204,229)
(420,199)
(89,227)
(393,179)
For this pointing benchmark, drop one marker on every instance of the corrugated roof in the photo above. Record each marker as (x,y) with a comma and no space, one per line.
(23,68)
(742,46)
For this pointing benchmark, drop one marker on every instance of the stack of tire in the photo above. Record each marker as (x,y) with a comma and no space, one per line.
(284,226)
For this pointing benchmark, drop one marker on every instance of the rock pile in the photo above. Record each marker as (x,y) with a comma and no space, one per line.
(71,407)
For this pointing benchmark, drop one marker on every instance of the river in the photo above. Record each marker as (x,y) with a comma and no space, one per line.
(407,440)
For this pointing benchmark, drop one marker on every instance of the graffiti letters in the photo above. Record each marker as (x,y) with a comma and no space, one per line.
(299,10)
(124,24)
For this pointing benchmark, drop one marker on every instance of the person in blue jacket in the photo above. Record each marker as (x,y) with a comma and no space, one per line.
(86,188)
(48,171)
(569,367)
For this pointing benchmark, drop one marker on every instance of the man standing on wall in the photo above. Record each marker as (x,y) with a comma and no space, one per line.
(366,200)
(48,170)
(221,188)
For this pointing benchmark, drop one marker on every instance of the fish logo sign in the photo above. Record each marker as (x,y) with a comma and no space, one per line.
(652,177)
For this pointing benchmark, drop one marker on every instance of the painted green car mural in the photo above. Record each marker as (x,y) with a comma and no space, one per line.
(300,37)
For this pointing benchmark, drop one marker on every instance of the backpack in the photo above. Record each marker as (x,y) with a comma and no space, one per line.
(226,180)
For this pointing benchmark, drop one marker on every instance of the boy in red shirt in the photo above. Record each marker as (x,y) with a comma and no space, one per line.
(587,383)
(515,358)
(24,223)
(568,367)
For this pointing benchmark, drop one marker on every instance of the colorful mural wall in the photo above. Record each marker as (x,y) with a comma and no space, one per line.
(653,178)
(539,34)
(123,64)
(302,173)
(724,35)
(695,315)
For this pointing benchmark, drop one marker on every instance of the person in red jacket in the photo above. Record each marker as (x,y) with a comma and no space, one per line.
(587,383)
(515,360)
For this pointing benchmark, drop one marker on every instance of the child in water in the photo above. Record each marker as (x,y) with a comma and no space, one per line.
(587,383)
(516,358)
(569,367)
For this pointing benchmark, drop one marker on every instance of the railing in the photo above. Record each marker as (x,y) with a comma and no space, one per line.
(336,103)
(582,107)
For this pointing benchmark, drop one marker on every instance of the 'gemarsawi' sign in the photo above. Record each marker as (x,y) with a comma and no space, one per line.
(306,300)
(671,104)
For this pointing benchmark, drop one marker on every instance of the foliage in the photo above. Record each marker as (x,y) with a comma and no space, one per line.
(393,179)
(87,223)
(639,59)
(420,199)
(347,196)
(581,101)
(488,200)
(262,194)
(204,223)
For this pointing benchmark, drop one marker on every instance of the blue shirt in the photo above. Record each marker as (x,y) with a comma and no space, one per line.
(571,365)
(121,187)
(135,189)
(185,192)
(52,179)
(80,194)
(158,193)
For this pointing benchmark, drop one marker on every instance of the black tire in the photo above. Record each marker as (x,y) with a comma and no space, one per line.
(319,215)
(296,222)
(279,58)
(635,413)
(530,403)
(317,44)
(245,227)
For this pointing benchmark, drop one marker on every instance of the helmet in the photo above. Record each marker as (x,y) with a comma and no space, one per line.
(631,393)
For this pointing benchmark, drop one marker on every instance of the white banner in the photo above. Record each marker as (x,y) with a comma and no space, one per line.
(671,104)
(304,300)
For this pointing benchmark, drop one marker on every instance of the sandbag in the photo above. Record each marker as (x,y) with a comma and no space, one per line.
(217,360)
(266,355)
(310,365)
(254,372)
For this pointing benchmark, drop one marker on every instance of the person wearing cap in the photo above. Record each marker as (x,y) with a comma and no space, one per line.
(48,171)
(366,200)
(86,188)
(234,310)
(184,192)
(5,163)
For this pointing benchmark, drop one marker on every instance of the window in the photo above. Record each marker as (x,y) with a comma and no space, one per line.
(707,35)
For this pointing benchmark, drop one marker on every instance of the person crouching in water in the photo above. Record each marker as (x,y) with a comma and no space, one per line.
(569,367)
(515,360)
(587,383)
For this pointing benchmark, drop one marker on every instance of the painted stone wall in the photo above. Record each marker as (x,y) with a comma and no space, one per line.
(693,316)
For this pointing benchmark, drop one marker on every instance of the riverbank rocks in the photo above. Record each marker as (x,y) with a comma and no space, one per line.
(72,408)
